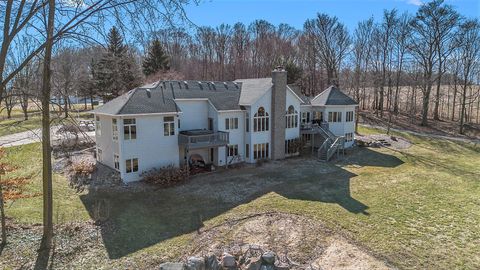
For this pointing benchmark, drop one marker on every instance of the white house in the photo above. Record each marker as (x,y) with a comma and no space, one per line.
(219,123)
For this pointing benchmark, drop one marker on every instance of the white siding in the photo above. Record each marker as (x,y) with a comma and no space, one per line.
(151,147)
(105,140)
(194,114)
(236,136)
(343,127)
(263,136)
(292,133)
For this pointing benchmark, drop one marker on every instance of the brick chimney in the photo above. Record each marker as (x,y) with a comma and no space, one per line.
(279,97)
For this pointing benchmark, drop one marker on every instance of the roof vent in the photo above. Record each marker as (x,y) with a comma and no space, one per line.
(179,85)
(236,84)
(200,85)
(226,85)
(149,93)
(213,86)
(186,84)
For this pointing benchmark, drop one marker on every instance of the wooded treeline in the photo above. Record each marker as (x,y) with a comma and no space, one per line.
(425,63)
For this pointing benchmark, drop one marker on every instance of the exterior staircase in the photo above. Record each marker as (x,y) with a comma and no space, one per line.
(332,144)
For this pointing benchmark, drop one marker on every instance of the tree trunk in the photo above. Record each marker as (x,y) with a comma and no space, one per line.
(91,101)
(2,213)
(46,148)
(462,110)
(454,99)
(425,104)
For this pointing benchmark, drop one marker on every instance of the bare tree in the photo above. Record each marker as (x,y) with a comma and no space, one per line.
(332,43)
(469,50)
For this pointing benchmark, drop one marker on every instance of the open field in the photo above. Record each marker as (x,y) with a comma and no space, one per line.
(411,208)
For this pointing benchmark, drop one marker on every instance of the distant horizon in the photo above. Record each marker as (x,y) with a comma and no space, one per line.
(294,13)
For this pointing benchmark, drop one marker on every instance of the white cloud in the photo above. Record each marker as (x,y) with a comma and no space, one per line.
(415,2)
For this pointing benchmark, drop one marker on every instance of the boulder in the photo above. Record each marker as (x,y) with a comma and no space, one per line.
(171,266)
(269,257)
(211,262)
(228,260)
(195,263)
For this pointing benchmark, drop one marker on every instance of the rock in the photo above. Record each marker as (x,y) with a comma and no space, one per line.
(195,263)
(268,257)
(228,260)
(171,266)
(253,264)
(211,262)
(267,267)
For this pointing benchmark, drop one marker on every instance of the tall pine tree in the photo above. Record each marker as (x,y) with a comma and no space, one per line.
(156,59)
(117,71)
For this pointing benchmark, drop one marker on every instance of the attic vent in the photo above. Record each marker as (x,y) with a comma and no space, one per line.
(226,85)
(186,84)
(200,85)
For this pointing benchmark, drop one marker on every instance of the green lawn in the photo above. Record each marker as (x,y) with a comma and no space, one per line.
(18,124)
(416,208)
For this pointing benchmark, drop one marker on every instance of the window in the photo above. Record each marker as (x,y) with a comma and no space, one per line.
(291,117)
(247,150)
(349,137)
(291,146)
(131,165)
(232,150)
(178,123)
(116,161)
(349,117)
(305,117)
(168,126)
(231,123)
(247,123)
(260,120)
(260,150)
(98,126)
(114,129)
(99,155)
(129,129)
(334,116)
(317,116)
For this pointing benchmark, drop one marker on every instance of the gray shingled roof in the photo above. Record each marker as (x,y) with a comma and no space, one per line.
(332,96)
(223,96)
(253,89)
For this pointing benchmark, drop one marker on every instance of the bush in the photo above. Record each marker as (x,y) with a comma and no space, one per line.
(81,174)
(166,176)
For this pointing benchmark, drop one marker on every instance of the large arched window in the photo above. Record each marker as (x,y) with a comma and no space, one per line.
(291,118)
(260,120)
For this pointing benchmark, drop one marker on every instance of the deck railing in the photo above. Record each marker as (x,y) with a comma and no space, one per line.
(217,138)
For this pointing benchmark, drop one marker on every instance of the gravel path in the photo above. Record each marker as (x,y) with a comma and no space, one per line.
(31,136)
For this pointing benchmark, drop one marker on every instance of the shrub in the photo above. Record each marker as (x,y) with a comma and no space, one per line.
(81,174)
(166,176)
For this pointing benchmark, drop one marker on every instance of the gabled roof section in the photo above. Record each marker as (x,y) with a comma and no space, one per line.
(332,96)
(253,89)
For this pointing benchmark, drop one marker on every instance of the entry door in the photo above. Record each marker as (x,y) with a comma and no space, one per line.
(210,123)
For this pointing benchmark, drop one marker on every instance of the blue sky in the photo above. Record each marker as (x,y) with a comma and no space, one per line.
(295,12)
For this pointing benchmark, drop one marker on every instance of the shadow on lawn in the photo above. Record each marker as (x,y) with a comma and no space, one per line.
(140,219)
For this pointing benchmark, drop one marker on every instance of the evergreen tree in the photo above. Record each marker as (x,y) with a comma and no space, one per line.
(156,59)
(117,71)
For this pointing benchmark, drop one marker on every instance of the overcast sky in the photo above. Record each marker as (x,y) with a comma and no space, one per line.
(295,12)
